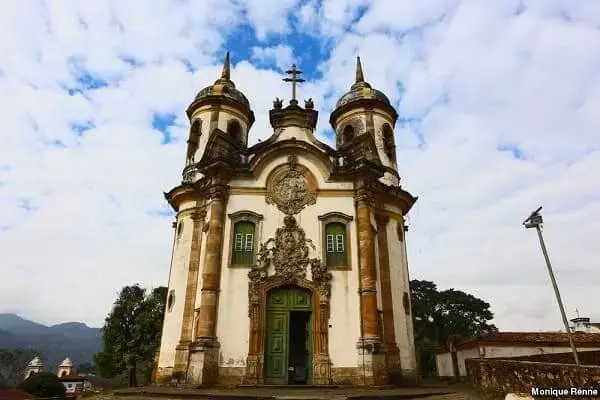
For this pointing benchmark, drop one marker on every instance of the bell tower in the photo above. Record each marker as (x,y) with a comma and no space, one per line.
(219,107)
(367,111)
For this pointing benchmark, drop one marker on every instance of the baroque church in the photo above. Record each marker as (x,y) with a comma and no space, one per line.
(289,259)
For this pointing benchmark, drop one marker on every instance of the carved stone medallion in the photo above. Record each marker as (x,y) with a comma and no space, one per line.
(291,187)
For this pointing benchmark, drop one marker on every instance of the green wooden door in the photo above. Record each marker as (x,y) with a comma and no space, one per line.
(277,348)
(280,302)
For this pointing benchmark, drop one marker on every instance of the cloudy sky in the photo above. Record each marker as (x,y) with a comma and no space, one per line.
(499,105)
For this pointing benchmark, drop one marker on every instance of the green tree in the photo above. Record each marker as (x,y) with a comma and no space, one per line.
(45,385)
(12,365)
(131,333)
(440,315)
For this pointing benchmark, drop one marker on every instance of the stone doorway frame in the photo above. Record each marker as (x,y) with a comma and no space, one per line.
(255,363)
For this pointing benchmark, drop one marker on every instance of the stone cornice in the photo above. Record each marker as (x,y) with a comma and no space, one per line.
(393,195)
(221,100)
(362,103)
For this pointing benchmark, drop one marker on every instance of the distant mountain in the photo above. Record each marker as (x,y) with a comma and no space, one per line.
(72,339)
(14,324)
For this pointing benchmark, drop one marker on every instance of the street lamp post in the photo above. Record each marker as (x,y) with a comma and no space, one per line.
(535,220)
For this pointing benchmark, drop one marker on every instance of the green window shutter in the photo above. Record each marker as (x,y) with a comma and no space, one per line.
(330,246)
(243,243)
(335,234)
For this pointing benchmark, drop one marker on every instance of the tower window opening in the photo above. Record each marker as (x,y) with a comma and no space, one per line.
(388,142)
(195,133)
(234,130)
(348,133)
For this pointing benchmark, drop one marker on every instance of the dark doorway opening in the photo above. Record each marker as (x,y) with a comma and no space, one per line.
(299,347)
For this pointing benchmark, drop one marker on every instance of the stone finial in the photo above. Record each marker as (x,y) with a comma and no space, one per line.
(277,103)
(359,72)
(308,104)
(226,73)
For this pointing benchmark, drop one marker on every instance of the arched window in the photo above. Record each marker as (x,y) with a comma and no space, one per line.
(170,300)
(335,241)
(388,142)
(195,133)
(179,229)
(234,129)
(245,228)
(243,243)
(335,228)
(63,373)
(348,134)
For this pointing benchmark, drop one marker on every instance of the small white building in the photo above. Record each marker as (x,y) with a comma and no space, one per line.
(451,362)
(583,324)
(74,383)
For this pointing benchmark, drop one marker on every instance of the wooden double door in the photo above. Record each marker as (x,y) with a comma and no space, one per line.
(288,350)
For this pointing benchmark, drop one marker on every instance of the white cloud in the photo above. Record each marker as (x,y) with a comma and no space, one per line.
(471,75)
(269,16)
(281,55)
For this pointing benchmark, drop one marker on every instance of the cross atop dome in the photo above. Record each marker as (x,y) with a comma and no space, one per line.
(294,72)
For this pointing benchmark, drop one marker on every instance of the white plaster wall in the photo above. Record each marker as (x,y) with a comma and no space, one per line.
(495,352)
(399,280)
(462,355)
(294,132)
(233,323)
(516,351)
(171,332)
(443,363)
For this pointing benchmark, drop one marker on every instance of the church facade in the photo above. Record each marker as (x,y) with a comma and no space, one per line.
(289,261)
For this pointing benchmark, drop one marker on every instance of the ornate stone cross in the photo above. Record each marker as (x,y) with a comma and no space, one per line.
(294,79)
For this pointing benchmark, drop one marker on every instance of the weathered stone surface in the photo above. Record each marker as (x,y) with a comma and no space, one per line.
(509,376)
(585,358)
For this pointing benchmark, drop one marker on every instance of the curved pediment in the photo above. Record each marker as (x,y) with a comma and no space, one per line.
(261,160)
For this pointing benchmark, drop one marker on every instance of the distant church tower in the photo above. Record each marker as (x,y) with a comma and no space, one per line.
(65,368)
(289,259)
(35,366)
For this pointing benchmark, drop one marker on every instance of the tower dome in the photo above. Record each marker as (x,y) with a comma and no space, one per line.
(66,362)
(36,362)
(223,88)
(361,90)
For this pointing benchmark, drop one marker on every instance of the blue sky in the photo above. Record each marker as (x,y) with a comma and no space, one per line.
(498,104)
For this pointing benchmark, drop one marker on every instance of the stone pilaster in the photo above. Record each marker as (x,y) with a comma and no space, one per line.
(372,368)
(205,351)
(187,326)
(388,334)
(367,269)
